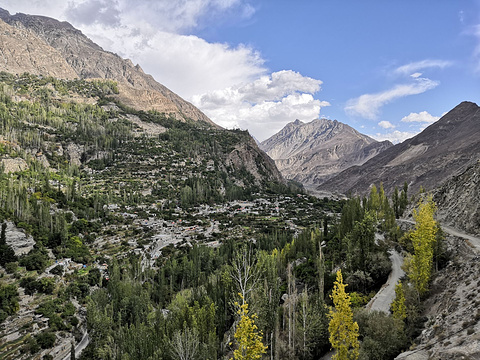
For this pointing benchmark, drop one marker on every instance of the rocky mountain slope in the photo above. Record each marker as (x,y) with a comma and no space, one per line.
(440,151)
(457,200)
(21,51)
(45,46)
(452,307)
(315,151)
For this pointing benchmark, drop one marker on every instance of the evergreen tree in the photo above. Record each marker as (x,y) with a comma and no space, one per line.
(396,202)
(343,330)
(72,351)
(6,252)
(403,199)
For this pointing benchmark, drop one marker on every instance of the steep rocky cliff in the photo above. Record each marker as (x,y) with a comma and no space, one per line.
(458,200)
(315,151)
(51,47)
(21,51)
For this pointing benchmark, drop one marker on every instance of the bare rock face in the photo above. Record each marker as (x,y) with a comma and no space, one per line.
(458,200)
(255,161)
(313,152)
(442,150)
(22,51)
(66,47)
(20,242)
(74,152)
(13,165)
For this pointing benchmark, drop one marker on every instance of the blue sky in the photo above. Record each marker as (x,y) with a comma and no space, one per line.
(387,68)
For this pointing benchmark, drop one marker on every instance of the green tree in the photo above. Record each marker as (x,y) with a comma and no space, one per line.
(382,336)
(8,301)
(6,252)
(343,330)
(72,351)
(423,241)
(396,202)
(247,336)
(403,201)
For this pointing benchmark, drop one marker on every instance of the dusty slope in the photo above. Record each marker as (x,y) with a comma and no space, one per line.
(21,51)
(453,310)
(458,200)
(437,153)
(315,151)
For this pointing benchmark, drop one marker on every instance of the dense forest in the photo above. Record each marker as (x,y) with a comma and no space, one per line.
(148,237)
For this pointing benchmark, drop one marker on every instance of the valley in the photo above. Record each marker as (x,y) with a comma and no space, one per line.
(135,227)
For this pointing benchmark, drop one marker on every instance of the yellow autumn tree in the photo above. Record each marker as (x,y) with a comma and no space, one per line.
(343,330)
(423,241)
(247,336)
(398,305)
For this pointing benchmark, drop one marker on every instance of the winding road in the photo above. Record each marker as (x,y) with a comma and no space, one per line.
(80,346)
(382,300)
(473,241)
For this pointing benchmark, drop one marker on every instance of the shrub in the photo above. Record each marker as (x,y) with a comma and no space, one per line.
(46,339)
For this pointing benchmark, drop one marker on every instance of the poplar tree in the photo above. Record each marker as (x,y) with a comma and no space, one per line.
(423,241)
(398,305)
(343,330)
(247,336)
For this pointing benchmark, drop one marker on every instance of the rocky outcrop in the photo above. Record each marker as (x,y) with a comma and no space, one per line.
(313,152)
(442,150)
(20,242)
(248,155)
(75,152)
(57,45)
(13,165)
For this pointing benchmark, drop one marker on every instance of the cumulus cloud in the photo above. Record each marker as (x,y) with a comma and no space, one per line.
(394,136)
(94,11)
(155,34)
(368,105)
(265,105)
(386,125)
(414,67)
(421,117)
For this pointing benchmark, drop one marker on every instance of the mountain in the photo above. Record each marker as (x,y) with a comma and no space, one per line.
(315,151)
(45,46)
(429,158)
(457,200)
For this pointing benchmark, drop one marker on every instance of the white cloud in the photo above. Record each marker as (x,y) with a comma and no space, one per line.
(386,125)
(265,105)
(416,75)
(422,117)
(419,65)
(394,136)
(154,34)
(368,105)
(179,16)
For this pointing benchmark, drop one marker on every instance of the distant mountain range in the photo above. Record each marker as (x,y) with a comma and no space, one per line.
(442,150)
(314,152)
